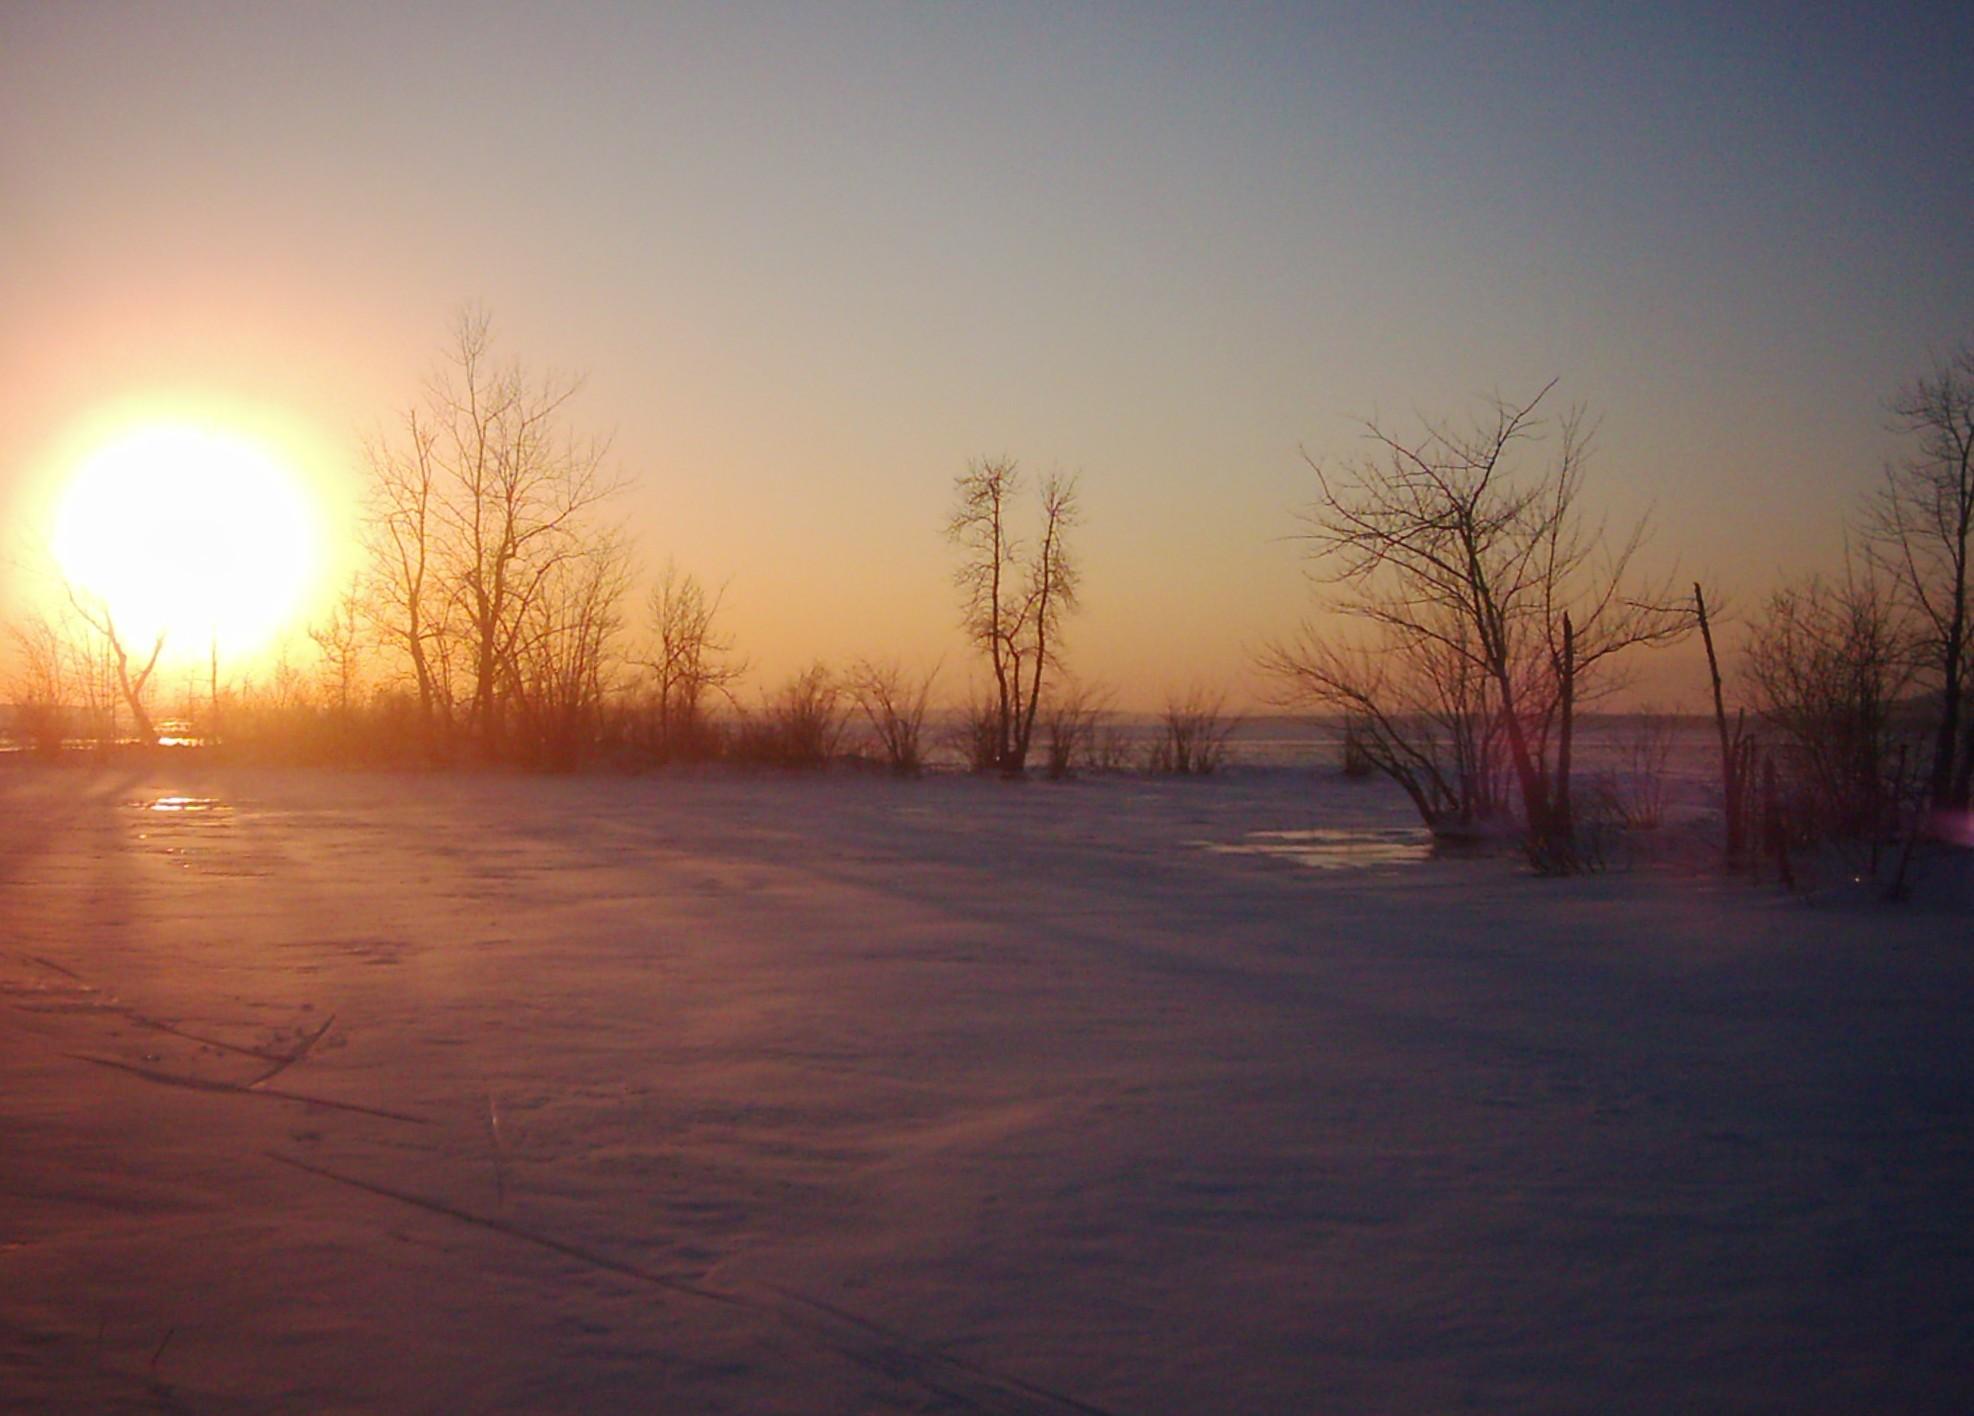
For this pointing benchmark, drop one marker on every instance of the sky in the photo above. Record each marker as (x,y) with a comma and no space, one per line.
(811,259)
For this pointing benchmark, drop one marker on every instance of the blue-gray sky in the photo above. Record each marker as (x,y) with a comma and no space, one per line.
(814,257)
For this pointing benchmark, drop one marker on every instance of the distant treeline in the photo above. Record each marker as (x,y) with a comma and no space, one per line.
(1478,609)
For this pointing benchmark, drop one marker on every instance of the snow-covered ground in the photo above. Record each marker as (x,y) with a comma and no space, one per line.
(701,1093)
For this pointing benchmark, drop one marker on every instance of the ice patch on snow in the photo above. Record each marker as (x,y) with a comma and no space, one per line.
(1329,848)
(180,805)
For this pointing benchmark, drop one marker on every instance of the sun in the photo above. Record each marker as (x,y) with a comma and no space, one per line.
(204,535)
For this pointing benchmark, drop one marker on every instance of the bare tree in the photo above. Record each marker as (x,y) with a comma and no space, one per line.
(564,655)
(1013,597)
(1076,714)
(689,660)
(409,596)
(1492,604)
(476,509)
(1416,711)
(131,686)
(1919,527)
(894,704)
(43,684)
(1830,660)
(340,640)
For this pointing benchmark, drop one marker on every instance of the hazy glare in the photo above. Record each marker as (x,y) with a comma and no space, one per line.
(814,258)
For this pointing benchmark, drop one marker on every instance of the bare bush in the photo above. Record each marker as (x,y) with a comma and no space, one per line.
(43,685)
(974,736)
(1193,734)
(564,657)
(1418,713)
(1074,718)
(275,715)
(801,725)
(894,705)
(1830,661)
(1111,750)
(1632,791)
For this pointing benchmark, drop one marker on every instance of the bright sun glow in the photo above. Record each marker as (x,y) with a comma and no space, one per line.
(204,536)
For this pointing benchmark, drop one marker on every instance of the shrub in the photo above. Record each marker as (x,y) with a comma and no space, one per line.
(975,735)
(1074,716)
(1632,793)
(800,726)
(895,709)
(1193,733)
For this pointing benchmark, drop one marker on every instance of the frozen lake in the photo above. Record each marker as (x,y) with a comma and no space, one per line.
(699,1093)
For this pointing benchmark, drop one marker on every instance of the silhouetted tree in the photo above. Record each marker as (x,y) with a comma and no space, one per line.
(340,640)
(1013,598)
(1919,529)
(1830,661)
(131,686)
(1416,709)
(1493,606)
(409,594)
(564,656)
(688,660)
(476,509)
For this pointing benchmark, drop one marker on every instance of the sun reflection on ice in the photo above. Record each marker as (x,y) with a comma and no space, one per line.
(1337,849)
(181,805)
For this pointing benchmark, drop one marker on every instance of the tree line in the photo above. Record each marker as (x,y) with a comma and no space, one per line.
(1475,606)
(490,623)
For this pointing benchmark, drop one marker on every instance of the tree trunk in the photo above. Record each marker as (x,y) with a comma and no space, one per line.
(133,689)
(1963,777)
(1731,785)
(1535,802)
(1941,784)
(1561,822)
(1950,787)
(1773,834)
